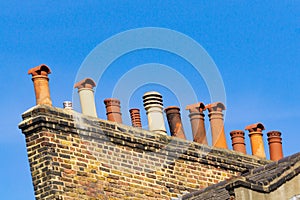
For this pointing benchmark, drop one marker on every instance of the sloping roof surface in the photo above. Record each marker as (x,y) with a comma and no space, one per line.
(264,179)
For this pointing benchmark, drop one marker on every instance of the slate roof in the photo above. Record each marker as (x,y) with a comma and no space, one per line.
(263,179)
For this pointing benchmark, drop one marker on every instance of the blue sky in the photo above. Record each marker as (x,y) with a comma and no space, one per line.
(255,46)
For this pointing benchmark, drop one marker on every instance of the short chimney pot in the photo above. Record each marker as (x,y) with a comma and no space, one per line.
(238,141)
(135,117)
(113,110)
(153,104)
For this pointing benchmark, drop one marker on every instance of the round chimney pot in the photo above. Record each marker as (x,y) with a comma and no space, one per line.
(86,96)
(113,110)
(174,121)
(217,124)
(135,117)
(41,84)
(197,122)
(68,105)
(256,139)
(275,145)
(238,141)
(153,104)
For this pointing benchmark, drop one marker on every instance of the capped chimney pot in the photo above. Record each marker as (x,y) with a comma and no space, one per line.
(135,117)
(256,139)
(41,84)
(86,95)
(113,110)
(275,145)
(238,141)
(68,105)
(174,121)
(217,124)
(153,104)
(197,122)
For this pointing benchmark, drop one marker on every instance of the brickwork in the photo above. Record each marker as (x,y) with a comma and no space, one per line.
(73,156)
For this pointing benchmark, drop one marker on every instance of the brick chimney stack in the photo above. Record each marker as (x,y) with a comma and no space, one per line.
(41,84)
(217,124)
(113,110)
(238,141)
(86,95)
(256,139)
(275,145)
(153,104)
(174,121)
(197,122)
(135,117)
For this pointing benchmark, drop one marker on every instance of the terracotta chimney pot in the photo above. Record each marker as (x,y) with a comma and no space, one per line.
(174,120)
(238,141)
(153,104)
(217,124)
(41,84)
(113,110)
(256,139)
(86,95)
(135,117)
(197,122)
(275,145)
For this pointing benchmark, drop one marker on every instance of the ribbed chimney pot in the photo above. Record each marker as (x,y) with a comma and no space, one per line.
(113,110)
(217,124)
(41,84)
(275,145)
(153,104)
(256,139)
(86,95)
(197,122)
(135,117)
(238,141)
(174,120)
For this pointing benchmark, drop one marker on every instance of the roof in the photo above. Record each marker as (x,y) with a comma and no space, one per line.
(263,179)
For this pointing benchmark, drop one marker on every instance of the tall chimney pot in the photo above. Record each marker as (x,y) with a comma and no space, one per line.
(217,124)
(197,122)
(174,120)
(135,117)
(153,104)
(238,141)
(41,84)
(256,139)
(113,110)
(275,145)
(86,95)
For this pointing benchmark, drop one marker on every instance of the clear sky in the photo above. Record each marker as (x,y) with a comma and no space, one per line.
(254,44)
